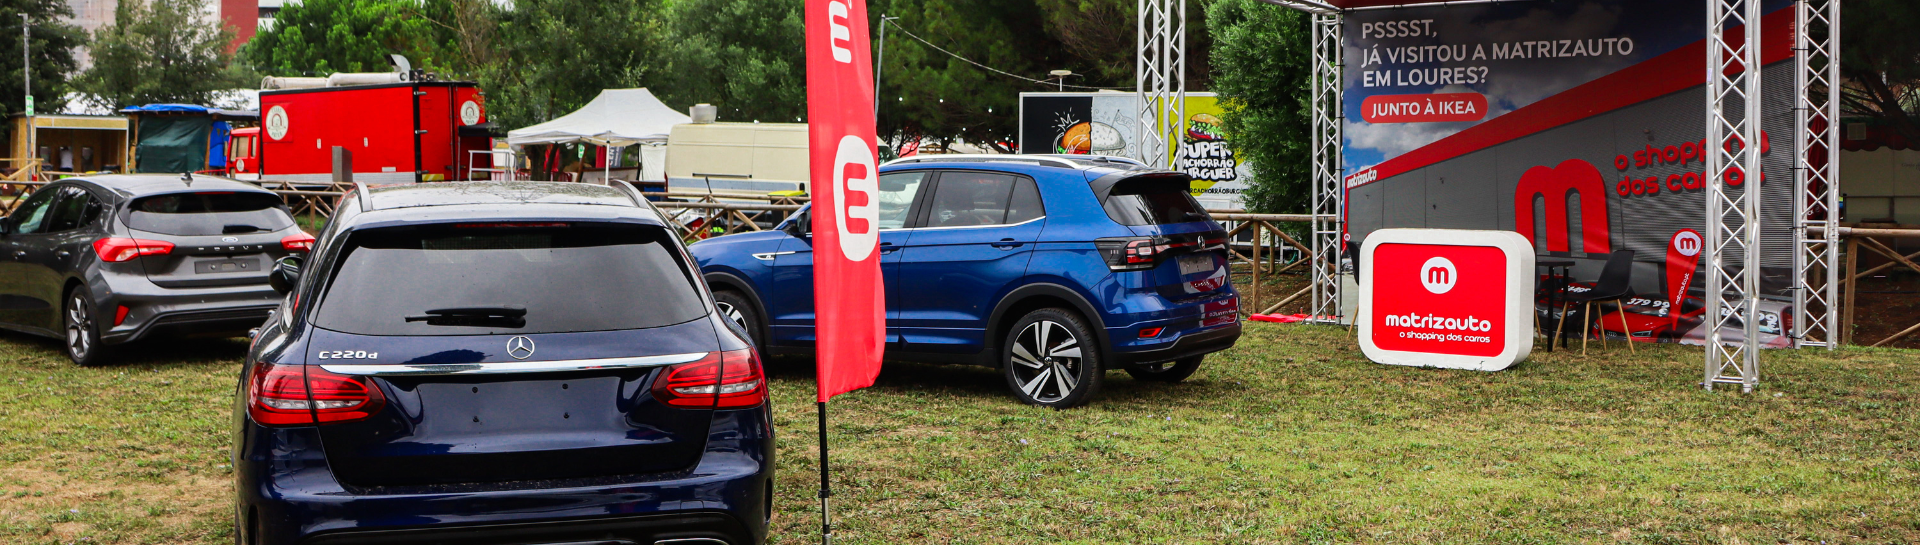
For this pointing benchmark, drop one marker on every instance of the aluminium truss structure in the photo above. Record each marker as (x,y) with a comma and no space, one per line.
(1733,195)
(1329,192)
(1816,293)
(1160,79)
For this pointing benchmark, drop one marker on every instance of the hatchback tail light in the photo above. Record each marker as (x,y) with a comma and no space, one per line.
(723,380)
(296,395)
(297,242)
(115,250)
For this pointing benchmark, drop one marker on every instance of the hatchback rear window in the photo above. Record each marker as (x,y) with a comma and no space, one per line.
(1153,201)
(480,279)
(212,213)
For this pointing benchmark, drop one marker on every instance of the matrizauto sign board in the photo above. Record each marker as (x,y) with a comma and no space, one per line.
(1446,298)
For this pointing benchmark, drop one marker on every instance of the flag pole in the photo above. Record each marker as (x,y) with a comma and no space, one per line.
(826,489)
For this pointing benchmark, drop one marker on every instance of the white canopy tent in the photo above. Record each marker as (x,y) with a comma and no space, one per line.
(617,118)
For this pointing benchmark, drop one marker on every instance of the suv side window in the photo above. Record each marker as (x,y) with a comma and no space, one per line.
(897,193)
(74,210)
(31,216)
(1025,204)
(966,199)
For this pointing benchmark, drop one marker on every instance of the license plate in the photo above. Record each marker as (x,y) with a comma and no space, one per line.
(226,266)
(1196,264)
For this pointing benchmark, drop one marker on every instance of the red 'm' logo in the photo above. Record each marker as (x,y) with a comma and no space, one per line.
(1572,177)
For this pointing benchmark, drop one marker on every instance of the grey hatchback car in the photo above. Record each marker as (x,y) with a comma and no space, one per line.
(107,260)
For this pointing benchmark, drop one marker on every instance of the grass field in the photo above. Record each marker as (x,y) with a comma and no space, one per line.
(1292,437)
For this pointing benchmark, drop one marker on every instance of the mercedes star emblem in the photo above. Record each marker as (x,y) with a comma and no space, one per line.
(520,347)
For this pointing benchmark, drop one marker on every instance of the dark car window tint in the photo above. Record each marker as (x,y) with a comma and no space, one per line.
(211,213)
(897,192)
(31,216)
(1153,201)
(1025,204)
(74,209)
(573,278)
(970,198)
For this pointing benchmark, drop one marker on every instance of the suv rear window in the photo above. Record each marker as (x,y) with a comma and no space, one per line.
(213,213)
(565,278)
(1153,201)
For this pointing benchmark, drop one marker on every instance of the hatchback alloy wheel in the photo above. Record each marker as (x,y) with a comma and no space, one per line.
(1049,362)
(731,313)
(83,341)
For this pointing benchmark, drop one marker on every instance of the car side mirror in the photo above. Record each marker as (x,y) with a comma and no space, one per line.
(285,273)
(801,227)
(6,226)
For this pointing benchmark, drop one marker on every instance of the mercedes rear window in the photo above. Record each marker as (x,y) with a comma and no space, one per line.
(209,213)
(514,278)
(1153,201)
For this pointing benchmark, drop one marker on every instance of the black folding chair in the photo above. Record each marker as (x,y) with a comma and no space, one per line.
(1615,285)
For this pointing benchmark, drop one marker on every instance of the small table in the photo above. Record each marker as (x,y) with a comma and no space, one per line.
(1559,275)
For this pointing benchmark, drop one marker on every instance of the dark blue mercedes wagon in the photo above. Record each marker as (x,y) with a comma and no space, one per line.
(499,363)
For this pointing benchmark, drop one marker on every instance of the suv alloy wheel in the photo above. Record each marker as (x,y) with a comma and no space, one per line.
(1052,359)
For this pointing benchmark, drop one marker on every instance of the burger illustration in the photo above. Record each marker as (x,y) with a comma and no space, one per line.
(1089,137)
(1204,127)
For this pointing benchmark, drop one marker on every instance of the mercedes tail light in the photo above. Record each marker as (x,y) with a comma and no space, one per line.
(115,250)
(296,395)
(297,242)
(723,380)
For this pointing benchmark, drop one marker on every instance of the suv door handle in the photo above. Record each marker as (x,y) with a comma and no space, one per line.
(63,253)
(19,253)
(1007,244)
(888,247)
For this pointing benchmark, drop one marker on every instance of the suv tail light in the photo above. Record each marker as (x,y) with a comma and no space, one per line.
(722,380)
(297,395)
(297,242)
(1142,253)
(115,250)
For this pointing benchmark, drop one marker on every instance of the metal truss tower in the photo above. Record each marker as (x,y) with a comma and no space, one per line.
(1733,196)
(1328,212)
(1817,173)
(1160,73)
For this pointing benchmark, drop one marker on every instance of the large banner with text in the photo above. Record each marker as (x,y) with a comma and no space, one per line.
(1579,125)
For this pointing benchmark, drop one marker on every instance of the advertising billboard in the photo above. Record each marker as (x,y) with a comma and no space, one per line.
(1578,124)
(1105,124)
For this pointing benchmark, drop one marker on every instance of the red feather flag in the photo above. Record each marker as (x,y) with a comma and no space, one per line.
(849,299)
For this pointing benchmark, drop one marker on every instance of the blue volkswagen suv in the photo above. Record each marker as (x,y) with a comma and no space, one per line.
(494,364)
(1053,269)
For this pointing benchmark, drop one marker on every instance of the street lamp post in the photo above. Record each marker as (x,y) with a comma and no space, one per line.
(879,63)
(1060,77)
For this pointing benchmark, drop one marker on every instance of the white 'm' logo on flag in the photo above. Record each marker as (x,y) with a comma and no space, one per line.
(859,221)
(1687,243)
(839,33)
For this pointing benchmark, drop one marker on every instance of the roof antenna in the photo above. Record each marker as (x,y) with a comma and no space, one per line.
(186,178)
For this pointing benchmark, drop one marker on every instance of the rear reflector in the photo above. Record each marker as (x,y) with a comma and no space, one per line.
(1150,332)
(115,250)
(294,395)
(120,316)
(724,380)
(297,242)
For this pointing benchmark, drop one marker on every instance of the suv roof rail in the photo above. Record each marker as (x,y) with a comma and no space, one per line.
(986,158)
(366,201)
(1096,158)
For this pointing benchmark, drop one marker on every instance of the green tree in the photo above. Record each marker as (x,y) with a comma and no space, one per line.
(321,37)
(1880,61)
(742,56)
(158,51)
(1261,65)
(554,56)
(52,50)
(927,92)
(1099,36)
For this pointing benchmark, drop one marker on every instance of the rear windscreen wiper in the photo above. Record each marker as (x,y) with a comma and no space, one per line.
(512,317)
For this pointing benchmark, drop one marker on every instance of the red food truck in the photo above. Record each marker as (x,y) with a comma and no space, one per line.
(399,132)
